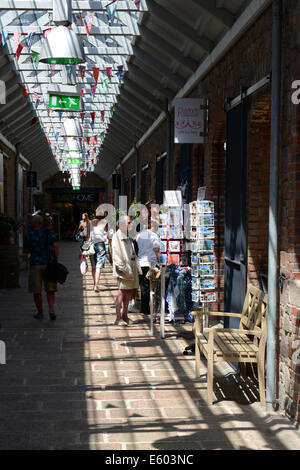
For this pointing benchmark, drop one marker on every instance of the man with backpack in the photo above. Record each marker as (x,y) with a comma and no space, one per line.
(41,243)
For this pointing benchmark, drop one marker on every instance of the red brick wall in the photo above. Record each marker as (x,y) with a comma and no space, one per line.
(289,323)
(258,184)
(247,62)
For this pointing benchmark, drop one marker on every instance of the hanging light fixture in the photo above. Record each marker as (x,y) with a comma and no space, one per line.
(62,46)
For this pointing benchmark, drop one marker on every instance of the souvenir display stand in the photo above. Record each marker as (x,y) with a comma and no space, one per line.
(192,256)
(202,239)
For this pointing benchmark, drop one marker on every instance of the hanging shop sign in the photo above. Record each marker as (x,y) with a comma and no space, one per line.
(189,121)
(64,102)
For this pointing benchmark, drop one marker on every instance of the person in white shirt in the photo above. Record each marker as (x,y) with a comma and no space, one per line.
(148,256)
(98,235)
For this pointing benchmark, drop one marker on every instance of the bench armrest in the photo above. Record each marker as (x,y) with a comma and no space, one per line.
(233,330)
(217,314)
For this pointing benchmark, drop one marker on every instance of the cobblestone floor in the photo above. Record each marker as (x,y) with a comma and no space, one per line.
(83,383)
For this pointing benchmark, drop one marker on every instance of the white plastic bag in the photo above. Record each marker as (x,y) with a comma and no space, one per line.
(83,267)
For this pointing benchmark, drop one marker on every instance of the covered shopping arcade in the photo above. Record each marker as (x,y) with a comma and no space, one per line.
(240,58)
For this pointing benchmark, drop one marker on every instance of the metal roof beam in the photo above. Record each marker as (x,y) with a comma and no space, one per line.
(158,66)
(132,121)
(150,82)
(116,128)
(131,116)
(132,88)
(179,26)
(9,122)
(162,45)
(123,125)
(136,103)
(131,109)
(77,5)
(117,143)
(221,14)
(14,106)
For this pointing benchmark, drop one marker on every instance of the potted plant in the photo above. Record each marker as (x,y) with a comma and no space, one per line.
(8,228)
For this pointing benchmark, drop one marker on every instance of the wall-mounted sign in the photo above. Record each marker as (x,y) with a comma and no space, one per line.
(189,121)
(64,102)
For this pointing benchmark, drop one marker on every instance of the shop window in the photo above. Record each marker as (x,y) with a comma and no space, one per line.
(160,178)
(144,183)
(132,187)
(185,171)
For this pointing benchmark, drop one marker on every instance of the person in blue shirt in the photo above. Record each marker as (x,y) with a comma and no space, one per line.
(42,245)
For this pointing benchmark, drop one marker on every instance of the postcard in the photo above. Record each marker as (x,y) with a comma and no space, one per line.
(174,246)
(205,244)
(163,232)
(175,217)
(207,283)
(206,270)
(208,297)
(163,259)
(206,258)
(163,246)
(195,270)
(175,232)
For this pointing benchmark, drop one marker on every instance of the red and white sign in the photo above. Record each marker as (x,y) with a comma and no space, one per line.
(189,121)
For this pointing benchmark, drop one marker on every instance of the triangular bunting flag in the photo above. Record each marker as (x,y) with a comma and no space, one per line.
(46,32)
(82,69)
(111,10)
(120,72)
(96,74)
(88,21)
(105,84)
(4,36)
(109,72)
(17,37)
(30,40)
(35,59)
(19,50)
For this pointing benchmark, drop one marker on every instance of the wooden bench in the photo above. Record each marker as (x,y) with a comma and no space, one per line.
(245,344)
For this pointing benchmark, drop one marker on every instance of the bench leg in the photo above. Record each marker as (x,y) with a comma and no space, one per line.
(243,370)
(210,381)
(197,358)
(261,381)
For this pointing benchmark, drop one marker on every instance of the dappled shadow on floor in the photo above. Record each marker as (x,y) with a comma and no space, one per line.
(84,383)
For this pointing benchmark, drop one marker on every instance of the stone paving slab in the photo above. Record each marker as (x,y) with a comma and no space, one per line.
(83,383)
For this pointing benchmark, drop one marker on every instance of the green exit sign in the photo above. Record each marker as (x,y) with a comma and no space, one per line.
(74,161)
(64,102)
(76,188)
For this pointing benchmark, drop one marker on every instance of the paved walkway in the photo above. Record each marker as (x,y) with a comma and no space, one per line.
(83,383)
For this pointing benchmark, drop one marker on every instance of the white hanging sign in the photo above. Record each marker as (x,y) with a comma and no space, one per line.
(189,121)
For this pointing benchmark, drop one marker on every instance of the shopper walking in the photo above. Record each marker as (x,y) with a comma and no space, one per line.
(125,268)
(148,256)
(98,235)
(84,228)
(41,243)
